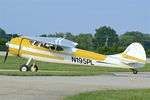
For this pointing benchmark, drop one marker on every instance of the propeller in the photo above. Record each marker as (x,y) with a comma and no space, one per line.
(7,44)
(6,55)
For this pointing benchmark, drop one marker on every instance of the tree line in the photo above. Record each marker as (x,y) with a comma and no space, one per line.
(105,40)
(5,38)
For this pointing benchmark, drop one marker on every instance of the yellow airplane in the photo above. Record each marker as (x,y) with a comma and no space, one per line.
(60,50)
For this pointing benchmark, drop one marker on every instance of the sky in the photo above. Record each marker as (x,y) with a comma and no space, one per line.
(35,17)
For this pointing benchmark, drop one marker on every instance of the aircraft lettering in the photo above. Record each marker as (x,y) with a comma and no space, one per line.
(82,60)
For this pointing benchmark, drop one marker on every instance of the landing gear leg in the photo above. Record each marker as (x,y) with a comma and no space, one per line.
(25,68)
(33,67)
(134,71)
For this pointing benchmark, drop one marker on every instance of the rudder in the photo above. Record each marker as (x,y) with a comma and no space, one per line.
(136,53)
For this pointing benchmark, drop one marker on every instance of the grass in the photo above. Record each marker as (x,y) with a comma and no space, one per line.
(131,94)
(57,69)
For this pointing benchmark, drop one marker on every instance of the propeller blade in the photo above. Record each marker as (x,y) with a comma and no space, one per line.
(7,44)
(6,56)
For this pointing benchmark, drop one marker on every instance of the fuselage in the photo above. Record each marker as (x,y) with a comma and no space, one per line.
(27,48)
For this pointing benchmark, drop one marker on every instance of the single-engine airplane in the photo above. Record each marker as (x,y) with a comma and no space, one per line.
(60,50)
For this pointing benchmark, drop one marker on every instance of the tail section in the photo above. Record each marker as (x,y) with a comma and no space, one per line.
(135,55)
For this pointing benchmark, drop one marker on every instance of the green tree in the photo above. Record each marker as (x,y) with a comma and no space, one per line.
(57,35)
(130,37)
(146,41)
(70,36)
(2,33)
(3,41)
(43,35)
(148,53)
(104,50)
(115,49)
(135,36)
(121,49)
(105,36)
(85,41)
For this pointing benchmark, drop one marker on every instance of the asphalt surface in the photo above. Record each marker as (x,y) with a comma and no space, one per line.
(55,87)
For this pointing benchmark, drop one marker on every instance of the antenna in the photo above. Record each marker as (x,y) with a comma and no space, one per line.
(106,40)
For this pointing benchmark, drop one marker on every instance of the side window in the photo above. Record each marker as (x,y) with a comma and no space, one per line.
(31,42)
(36,43)
(59,48)
(46,45)
(52,47)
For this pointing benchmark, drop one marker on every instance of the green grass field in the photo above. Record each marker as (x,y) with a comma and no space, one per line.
(132,94)
(57,69)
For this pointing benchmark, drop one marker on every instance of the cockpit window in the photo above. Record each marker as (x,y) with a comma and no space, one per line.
(31,41)
(46,45)
(52,47)
(58,48)
(36,43)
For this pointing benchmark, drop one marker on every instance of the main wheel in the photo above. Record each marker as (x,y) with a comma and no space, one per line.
(134,71)
(23,68)
(33,68)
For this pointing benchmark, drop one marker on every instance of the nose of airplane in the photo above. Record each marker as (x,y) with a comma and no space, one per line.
(7,44)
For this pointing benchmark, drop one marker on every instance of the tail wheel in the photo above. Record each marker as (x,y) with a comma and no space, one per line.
(134,71)
(33,68)
(23,68)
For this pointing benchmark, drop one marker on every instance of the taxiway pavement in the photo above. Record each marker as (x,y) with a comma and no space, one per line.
(55,87)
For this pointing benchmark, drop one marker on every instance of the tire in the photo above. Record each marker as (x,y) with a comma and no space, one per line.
(33,68)
(23,68)
(134,71)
